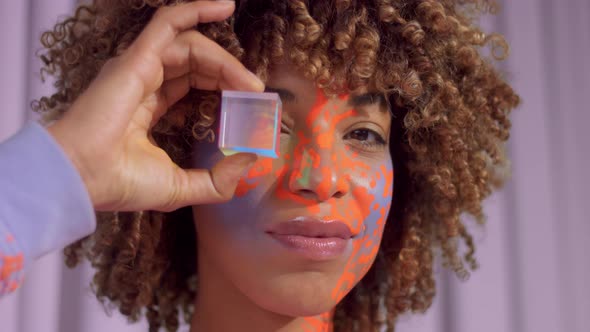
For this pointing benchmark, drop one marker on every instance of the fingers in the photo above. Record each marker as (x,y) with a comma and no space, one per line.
(170,21)
(195,61)
(142,60)
(173,90)
(211,186)
(126,80)
(228,171)
(209,65)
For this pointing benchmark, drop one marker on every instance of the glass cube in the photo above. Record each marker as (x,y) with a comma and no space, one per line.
(250,122)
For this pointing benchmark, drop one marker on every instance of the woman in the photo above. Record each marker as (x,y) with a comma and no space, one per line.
(314,240)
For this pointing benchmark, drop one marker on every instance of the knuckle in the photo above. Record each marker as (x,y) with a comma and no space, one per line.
(170,203)
(193,80)
(174,197)
(219,192)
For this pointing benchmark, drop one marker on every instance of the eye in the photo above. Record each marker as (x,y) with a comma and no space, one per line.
(366,135)
(366,139)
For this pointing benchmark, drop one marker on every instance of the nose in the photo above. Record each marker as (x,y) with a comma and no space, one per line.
(314,174)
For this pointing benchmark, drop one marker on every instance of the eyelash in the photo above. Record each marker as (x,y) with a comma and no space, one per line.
(284,128)
(378,143)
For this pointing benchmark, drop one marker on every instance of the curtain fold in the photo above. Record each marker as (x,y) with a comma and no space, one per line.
(534,269)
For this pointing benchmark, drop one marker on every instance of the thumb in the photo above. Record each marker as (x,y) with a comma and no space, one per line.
(218,184)
(228,171)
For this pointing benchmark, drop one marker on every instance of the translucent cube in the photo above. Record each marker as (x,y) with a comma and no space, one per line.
(250,122)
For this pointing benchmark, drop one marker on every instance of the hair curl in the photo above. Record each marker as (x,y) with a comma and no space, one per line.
(451,118)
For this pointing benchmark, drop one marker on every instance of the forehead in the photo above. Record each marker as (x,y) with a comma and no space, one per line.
(291,84)
(284,74)
(284,70)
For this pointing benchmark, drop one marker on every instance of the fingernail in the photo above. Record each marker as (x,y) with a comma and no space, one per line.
(257,82)
(248,162)
(226,3)
(246,169)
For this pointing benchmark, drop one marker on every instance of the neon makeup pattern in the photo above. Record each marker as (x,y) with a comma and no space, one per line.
(315,163)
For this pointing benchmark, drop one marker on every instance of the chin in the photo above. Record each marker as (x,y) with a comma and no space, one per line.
(301,295)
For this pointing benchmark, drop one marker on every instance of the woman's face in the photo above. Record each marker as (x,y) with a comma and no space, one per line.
(303,229)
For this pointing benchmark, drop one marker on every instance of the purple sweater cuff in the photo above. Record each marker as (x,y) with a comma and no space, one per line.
(44,204)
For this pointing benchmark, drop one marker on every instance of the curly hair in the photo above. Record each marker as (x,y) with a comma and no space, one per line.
(451,119)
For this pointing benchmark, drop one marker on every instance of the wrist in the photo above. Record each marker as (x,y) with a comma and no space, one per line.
(62,138)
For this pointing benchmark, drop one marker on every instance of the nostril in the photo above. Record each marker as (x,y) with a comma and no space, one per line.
(338,194)
(306,192)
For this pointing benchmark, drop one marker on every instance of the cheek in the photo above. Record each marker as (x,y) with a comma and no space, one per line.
(230,220)
(237,217)
(373,201)
(377,200)
(261,175)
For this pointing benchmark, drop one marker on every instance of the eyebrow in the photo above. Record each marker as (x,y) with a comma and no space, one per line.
(364,99)
(286,95)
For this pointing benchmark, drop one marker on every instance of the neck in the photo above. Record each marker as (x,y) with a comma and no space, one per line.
(220,306)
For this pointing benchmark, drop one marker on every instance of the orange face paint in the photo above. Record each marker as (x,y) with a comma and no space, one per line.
(319,173)
(317,164)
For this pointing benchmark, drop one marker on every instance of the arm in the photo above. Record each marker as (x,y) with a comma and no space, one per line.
(44,204)
(99,155)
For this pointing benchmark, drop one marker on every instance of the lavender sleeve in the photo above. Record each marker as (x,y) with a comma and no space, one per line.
(44,204)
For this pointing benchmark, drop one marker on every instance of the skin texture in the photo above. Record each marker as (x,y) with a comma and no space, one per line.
(114,116)
(450,119)
(334,164)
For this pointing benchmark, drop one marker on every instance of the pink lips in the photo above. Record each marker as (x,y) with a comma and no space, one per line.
(312,238)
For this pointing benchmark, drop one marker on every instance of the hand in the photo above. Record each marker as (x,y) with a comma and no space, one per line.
(106,131)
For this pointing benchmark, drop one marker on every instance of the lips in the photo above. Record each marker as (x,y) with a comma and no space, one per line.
(312,238)
(312,227)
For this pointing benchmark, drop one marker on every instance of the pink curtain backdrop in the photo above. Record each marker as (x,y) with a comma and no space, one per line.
(534,274)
